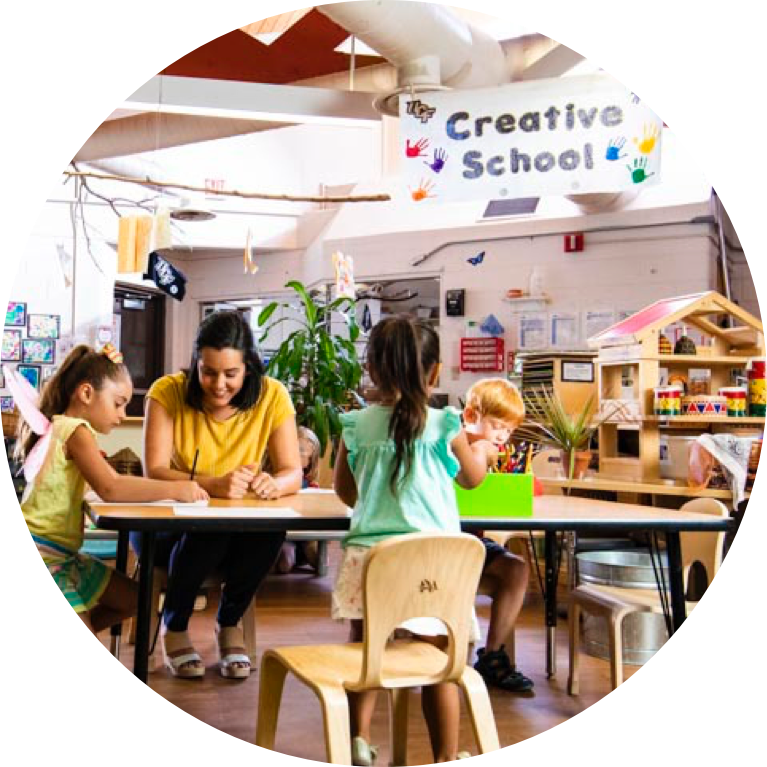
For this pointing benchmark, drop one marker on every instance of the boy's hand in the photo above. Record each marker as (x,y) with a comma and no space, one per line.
(485,451)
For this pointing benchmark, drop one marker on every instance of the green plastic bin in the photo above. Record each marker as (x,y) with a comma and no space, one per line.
(499,495)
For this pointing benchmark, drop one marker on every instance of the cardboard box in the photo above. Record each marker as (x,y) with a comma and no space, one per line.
(499,495)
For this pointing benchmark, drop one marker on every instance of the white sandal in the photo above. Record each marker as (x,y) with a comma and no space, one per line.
(177,652)
(231,650)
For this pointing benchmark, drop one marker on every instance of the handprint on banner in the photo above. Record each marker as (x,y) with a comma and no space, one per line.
(423,191)
(440,158)
(649,137)
(614,149)
(638,173)
(417,149)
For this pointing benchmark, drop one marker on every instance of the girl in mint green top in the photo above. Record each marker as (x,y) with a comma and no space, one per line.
(396,466)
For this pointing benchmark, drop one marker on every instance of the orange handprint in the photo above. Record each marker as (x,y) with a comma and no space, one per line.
(649,137)
(423,191)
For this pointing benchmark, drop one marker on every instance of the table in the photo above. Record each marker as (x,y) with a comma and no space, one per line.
(664,487)
(324,511)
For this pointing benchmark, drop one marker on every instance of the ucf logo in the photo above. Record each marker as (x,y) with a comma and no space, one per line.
(427,585)
(421,111)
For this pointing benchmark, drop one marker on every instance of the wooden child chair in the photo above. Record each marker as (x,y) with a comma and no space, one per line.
(409,576)
(615,603)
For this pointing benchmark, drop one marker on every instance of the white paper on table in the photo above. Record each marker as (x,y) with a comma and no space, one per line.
(240,512)
(316,491)
(94,500)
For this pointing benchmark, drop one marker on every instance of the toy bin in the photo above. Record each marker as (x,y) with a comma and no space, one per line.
(499,495)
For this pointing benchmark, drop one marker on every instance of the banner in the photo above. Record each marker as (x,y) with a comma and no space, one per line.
(569,135)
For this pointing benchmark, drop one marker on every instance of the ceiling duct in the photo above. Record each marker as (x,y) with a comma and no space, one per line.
(430,47)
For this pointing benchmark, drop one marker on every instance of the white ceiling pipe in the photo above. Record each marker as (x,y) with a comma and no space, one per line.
(425,42)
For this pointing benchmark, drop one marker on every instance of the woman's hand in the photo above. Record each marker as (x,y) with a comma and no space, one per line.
(189,492)
(264,487)
(235,484)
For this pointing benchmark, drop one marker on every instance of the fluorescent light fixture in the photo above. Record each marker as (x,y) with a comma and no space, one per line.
(276,103)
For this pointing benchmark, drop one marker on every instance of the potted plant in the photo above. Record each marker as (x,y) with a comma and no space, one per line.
(548,423)
(320,369)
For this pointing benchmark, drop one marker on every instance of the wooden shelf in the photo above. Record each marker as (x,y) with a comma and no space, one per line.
(681,359)
(684,419)
(524,303)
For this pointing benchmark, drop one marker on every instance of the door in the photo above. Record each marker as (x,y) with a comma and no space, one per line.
(141,318)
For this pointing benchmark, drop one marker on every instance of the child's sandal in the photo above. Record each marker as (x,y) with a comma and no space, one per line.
(178,655)
(363,754)
(233,658)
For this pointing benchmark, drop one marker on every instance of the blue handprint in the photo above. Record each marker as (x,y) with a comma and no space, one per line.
(614,148)
(440,158)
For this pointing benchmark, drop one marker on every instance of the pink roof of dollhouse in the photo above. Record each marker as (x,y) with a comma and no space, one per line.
(654,314)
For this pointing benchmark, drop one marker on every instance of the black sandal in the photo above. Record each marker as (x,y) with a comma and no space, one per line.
(495,667)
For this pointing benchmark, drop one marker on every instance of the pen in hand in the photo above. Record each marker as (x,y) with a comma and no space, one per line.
(194,463)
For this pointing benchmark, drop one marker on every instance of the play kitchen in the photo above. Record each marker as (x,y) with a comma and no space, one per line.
(696,369)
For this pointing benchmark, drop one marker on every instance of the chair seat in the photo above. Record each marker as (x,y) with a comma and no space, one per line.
(615,597)
(410,663)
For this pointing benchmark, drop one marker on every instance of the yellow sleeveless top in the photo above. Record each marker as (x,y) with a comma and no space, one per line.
(224,445)
(53,503)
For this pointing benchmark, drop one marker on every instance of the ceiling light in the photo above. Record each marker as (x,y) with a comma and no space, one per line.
(190,211)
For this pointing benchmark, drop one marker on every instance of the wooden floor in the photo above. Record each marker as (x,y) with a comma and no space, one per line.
(295,609)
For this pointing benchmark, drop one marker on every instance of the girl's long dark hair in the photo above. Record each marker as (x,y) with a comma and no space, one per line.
(82,365)
(227,330)
(400,355)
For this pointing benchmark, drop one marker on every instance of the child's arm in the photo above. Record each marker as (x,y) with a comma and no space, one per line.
(81,448)
(343,479)
(473,461)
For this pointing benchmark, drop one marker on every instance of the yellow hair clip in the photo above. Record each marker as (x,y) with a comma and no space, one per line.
(111,352)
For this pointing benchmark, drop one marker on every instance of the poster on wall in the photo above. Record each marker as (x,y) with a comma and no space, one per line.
(559,136)
(533,330)
(31,373)
(597,320)
(11,345)
(16,314)
(43,326)
(564,331)
(38,350)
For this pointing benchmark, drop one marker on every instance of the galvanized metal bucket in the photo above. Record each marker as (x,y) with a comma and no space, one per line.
(643,633)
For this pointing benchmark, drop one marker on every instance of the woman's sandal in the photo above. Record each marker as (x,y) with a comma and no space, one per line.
(232,652)
(178,655)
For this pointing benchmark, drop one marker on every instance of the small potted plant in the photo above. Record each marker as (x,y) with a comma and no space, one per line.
(547,422)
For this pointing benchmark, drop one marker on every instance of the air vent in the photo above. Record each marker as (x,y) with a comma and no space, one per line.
(520,206)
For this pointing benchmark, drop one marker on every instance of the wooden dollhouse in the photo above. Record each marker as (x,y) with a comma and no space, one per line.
(636,356)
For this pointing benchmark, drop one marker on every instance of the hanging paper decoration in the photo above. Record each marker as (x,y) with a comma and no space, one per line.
(167,278)
(248,265)
(344,266)
(65,262)
(161,236)
(133,243)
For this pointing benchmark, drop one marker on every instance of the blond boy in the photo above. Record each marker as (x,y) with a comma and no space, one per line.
(493,410)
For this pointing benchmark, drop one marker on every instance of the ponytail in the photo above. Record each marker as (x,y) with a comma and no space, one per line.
(82,365)
(401,354)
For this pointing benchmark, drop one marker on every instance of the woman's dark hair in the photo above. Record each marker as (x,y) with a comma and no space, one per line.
(82,365)
(401,354)
(227,330)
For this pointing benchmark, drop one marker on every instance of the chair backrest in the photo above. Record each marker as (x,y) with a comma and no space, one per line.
(706,548)
(420,575)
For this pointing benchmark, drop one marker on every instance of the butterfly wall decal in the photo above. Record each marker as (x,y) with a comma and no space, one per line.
(478,259)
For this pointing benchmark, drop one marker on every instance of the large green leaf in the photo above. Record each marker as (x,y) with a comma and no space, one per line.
(309,306)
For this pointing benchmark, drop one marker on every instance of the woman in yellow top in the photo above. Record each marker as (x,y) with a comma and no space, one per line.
(226,408)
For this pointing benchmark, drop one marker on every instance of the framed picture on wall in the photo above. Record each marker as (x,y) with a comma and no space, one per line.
(43,325)
(2,379)
(16,314)
(7,405)
(11,345)
(48,372)
(38,351)
(31,373)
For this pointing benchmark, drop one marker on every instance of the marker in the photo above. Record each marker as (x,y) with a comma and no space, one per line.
(194,463)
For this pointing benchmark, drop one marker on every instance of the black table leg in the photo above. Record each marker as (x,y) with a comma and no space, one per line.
(121,565)
(676,580)
(550,599)
(143,619)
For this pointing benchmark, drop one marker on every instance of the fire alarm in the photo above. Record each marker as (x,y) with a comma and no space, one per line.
(574,242)
(454,301)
